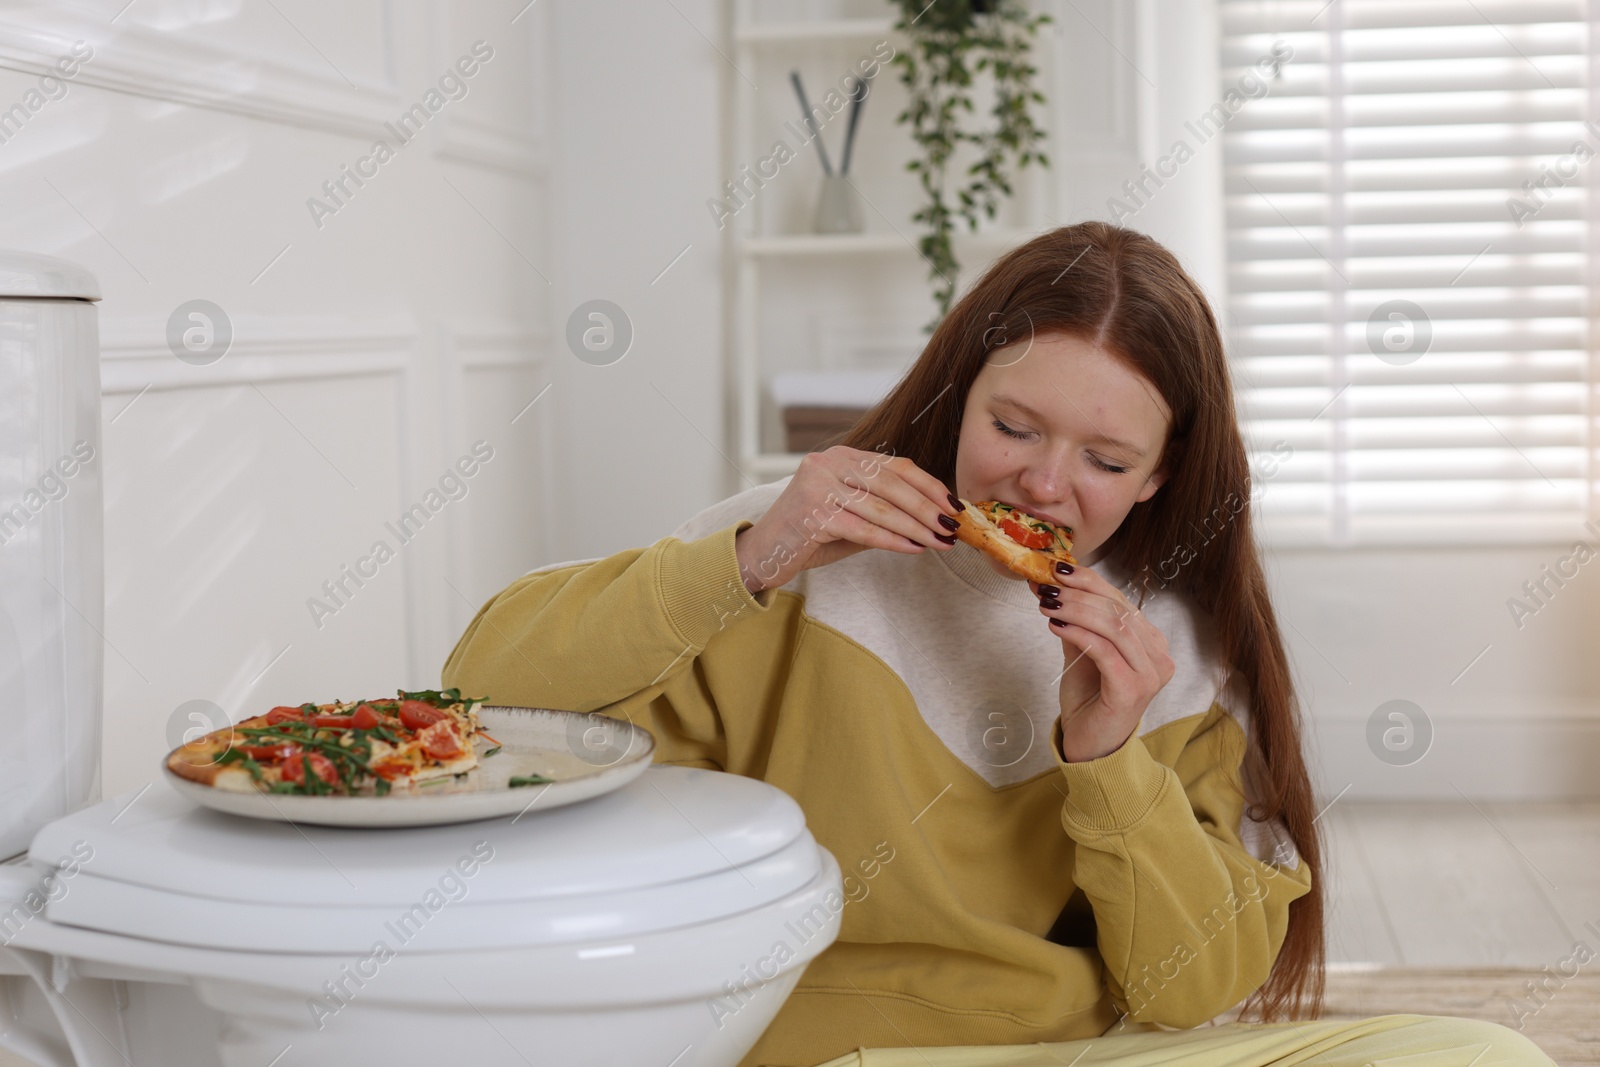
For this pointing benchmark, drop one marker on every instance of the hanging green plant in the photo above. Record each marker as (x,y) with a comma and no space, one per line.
(951,42)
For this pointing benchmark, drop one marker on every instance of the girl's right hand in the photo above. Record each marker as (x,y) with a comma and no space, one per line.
(839,502)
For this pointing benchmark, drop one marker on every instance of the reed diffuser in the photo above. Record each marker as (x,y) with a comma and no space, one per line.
(838,203)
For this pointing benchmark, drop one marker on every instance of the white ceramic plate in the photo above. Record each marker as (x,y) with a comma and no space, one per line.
(586,754)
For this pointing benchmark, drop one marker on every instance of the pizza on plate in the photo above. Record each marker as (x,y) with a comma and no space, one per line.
(359,747)
(1023,543)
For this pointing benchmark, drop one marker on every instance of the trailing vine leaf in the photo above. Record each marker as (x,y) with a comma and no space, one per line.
(952,41)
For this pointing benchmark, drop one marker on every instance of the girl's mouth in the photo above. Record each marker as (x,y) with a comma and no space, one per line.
(1035,513)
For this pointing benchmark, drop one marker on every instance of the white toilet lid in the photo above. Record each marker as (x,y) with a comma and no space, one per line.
(676,847)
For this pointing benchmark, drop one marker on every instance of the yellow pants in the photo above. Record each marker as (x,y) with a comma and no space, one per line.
(1381,1041)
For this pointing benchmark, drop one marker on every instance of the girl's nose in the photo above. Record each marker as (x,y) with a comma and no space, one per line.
(1045,482)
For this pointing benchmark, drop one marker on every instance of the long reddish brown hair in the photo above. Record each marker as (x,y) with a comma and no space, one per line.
(1125,292)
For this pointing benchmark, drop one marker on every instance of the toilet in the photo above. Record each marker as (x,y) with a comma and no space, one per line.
(662,923)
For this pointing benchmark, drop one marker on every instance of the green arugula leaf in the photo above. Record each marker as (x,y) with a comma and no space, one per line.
(528,779)
(349,763)
(233,755)
(441,698)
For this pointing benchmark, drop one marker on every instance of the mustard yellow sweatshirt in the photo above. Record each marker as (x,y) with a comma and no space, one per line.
(996,894)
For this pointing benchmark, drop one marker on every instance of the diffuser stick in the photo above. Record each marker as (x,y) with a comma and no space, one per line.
(805,110)
(850,130)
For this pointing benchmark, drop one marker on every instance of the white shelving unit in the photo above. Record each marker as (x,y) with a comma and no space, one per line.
(760,47)
(846,30)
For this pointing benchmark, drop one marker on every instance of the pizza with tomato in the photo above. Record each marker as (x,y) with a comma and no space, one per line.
(360,747)
(1023,543)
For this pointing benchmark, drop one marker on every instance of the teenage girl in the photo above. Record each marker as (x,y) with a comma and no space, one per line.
(1074,819)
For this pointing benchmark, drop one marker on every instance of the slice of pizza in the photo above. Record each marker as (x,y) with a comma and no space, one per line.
(1025,544)
(354,747)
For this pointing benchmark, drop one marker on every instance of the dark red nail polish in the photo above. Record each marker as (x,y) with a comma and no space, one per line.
(1049,590)
(1050,604)
(948,523)
(1058,622)
(1064,568)
(948,539)
(955,503)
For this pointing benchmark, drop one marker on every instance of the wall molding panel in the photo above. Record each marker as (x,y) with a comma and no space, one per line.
(465,139)
(470,138)
(134,353)
(140,61)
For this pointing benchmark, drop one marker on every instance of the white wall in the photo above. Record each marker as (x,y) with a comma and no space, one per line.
(368,356)
(638,150)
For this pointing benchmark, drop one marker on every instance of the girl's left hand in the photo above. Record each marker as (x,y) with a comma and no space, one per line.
(1116,662)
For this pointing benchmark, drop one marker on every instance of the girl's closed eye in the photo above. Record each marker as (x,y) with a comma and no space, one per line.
(1009,431)
(1024,434)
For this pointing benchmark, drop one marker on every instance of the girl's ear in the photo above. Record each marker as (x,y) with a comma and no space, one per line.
(1171,454)
(1154,482)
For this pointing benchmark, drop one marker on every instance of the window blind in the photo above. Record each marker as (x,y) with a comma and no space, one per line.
(1410,276)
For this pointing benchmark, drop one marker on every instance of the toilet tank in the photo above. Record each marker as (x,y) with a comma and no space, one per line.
(52,599)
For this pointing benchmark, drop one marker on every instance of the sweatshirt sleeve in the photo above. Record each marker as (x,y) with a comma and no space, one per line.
(623,634)
(1188,921)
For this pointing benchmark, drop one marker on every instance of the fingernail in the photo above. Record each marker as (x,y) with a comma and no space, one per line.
(1063,568)
(948,523)
(1050,603)
(955,503)
(1058,622)
(948,539)
(1049,590)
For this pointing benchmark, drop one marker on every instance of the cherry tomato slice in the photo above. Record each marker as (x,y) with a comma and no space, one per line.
(441,740)
(414,714)
(294,770)
(363,718)
(1026,536)
(390,770)
(284,714)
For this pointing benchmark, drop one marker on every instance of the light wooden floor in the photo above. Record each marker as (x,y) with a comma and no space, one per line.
(1461,884)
